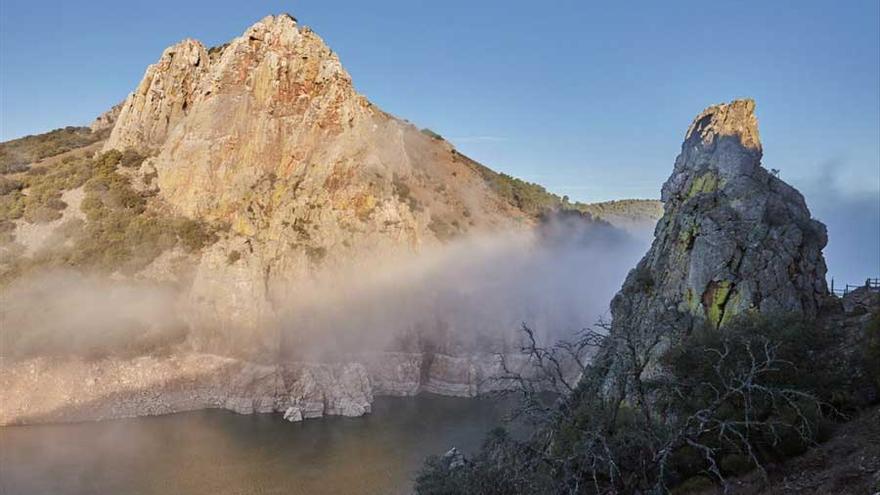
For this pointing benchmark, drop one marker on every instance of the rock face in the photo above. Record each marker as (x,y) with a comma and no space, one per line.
(43,390)
(62,390)
(733,238)
(162,98)
(266,137)
(107,119)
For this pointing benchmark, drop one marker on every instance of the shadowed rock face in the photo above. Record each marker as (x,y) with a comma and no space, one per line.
(733,237)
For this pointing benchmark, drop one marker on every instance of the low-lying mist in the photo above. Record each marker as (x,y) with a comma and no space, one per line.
(469,295)
(64,312)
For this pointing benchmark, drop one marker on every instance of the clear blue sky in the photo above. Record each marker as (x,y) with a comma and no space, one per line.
(590,99)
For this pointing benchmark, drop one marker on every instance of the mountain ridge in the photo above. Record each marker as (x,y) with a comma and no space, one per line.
(240,171)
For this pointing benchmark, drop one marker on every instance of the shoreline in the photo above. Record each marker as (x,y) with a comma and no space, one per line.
(69,390)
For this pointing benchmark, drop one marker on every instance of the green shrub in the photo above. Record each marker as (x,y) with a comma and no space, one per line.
(8,186)
(316,254)
(131,159)
(233,257)
(193,234)
(41,214)
(12,205)
(120,232)
(402,190)
(717,403)
(17,154)
(442,229)
(431,134)
(44,186)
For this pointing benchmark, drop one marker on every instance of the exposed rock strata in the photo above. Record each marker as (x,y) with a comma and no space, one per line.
(46,390)
(161,99)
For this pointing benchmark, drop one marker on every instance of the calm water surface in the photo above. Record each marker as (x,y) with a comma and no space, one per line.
(219,452)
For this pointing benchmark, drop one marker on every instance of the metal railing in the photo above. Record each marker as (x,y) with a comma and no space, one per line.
(872,284)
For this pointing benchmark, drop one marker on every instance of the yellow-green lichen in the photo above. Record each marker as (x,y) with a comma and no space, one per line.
(693,303)
(279,193)
(241,225)
(714,301)
(687,235)
(730,308)
(705,183)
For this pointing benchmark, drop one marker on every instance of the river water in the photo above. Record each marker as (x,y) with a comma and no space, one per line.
(218,452)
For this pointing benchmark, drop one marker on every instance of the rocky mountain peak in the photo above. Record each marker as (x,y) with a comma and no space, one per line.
(736,119)
(266,138)
(733,237)
(275,62)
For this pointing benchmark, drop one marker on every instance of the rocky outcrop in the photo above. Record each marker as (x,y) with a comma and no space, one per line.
(62,390)
(50,390)
(162,98)
(266,138)
(409,373)
(733,238)
(106,120)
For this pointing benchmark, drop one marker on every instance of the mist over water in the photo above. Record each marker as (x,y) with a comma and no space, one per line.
(469,295)
(472,294)
(62,312)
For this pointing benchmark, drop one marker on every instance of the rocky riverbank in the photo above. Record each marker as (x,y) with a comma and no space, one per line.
(52,390)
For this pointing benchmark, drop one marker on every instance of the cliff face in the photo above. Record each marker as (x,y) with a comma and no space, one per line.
(733,238)
(161,99)
(266,138)
(297,185)
(48,390)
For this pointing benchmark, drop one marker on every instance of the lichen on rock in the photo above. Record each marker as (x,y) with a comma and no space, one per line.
(734,238)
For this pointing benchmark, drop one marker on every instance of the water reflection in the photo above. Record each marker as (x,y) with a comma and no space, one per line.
(218,452)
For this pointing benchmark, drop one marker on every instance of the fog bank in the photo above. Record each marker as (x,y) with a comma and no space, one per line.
(65,312)
(469,295)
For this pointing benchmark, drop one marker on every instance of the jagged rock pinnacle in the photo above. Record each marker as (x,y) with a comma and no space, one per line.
(733,238)
(735,119)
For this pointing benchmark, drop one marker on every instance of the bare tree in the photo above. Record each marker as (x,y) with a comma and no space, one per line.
(613,415)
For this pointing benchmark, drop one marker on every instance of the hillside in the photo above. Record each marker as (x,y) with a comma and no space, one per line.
(239,170)
(247,231)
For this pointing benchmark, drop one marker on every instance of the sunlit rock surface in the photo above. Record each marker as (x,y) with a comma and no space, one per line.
(266,136)
(265,140)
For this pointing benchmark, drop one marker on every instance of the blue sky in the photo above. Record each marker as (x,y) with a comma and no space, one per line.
(590,99)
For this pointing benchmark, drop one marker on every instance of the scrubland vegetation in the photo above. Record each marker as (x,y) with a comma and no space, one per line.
(626,208)
(716,405)
(530,198)
(16,155)
(535,200)
(121,230)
